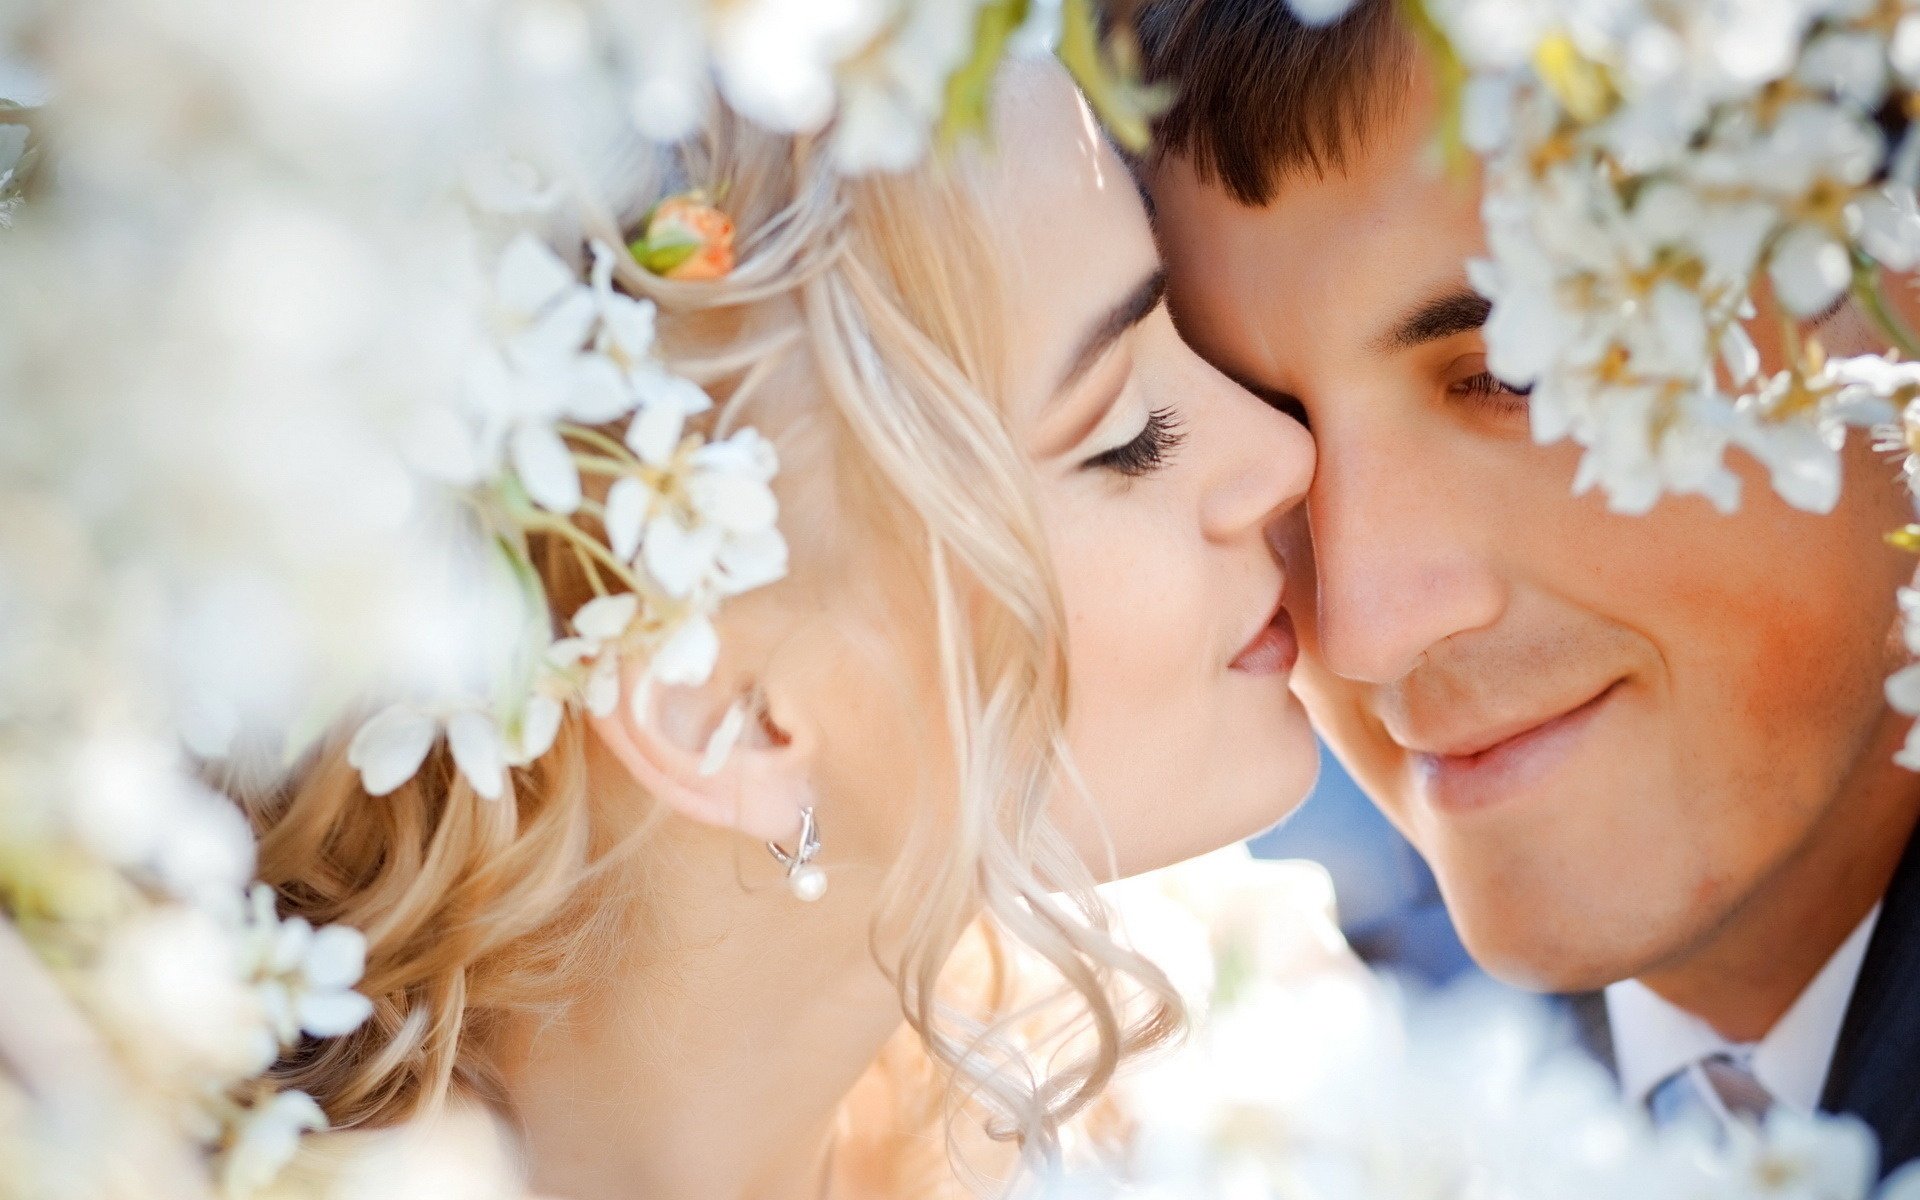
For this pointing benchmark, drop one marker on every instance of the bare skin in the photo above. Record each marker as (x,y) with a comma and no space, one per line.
(714,1059)
(1647,747)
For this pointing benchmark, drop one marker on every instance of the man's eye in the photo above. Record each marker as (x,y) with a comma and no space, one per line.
(1488,389)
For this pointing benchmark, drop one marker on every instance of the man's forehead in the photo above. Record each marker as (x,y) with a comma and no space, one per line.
(1337,264)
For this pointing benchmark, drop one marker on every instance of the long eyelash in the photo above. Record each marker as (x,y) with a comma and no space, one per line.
(1148,452)
(1487,387)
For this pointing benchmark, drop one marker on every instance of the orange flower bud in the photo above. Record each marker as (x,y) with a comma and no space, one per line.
(686,238)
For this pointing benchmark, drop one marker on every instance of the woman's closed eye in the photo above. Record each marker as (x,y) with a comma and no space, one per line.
(1149,450)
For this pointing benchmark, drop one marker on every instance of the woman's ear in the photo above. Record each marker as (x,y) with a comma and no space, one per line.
(712,753)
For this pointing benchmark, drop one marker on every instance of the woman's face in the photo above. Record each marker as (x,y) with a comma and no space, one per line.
(1158,478)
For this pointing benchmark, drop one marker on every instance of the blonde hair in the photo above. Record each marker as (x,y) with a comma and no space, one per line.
(474,909)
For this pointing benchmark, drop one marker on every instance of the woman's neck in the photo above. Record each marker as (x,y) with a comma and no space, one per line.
(711,1060)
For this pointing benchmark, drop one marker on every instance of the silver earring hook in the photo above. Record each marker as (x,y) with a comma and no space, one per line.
(806,881)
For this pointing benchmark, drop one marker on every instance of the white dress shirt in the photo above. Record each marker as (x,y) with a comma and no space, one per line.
(1652,1038)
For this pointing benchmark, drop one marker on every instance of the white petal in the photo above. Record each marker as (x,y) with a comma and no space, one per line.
(570,652)
(1525,333)
(1680,332)
(606,617)
(603,686)
(599,392)
(335,957)
(1809,270)
(1909,753)
(290,944)
(443,444)
(332,1014)
(478,753)
(531,276)
(725,736)
(1887,222)
(655,433)
(277,1006)
(875,132)
(1740,355)
(689,655)
(1852,65)
(390,747)
(1732,240)
(554,341)
(1319,12)
(752,561)
(745,453)
(1486,111)
(626,323)
(737,504)
(1903,49)
(626,514)
(1903,690)
(267,1141)
(539,726)
(545,467)
(678,558)
(657,385)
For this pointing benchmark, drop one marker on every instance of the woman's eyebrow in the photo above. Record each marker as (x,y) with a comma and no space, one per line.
(1133,309)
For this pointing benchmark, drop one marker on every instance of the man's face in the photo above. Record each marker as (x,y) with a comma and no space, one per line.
(1606,733)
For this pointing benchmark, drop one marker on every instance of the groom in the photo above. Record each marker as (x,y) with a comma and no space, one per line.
(1650,755)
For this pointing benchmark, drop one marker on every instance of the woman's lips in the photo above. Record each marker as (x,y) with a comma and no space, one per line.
(1466,782)
(1272,651)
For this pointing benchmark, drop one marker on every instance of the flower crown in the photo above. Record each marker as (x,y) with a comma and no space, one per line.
(689,517)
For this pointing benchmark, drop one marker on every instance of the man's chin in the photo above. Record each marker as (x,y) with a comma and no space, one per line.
(1550,955)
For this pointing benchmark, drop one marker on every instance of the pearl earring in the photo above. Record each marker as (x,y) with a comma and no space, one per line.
(806,881)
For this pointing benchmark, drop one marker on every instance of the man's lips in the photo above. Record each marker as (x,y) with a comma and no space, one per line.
(1498,762)
(1485,739)
(1272,649)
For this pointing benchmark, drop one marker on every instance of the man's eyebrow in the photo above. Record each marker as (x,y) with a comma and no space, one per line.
(1142,300)
(1457,310)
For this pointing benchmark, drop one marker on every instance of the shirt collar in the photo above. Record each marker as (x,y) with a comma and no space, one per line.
(1653,1038)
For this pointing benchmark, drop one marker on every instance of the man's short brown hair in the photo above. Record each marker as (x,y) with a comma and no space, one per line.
(1261,95)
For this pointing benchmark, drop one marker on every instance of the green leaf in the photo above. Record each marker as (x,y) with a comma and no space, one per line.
(1452,76)
(1109,76)
(662,254)
(970,88)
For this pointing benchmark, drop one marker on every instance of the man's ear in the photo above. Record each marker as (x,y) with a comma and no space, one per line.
(713,753)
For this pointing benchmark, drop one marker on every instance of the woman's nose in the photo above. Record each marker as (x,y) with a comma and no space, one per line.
(1266,466)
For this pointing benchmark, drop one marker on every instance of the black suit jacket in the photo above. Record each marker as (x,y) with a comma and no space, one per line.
(1875,1073)
(1876,1063)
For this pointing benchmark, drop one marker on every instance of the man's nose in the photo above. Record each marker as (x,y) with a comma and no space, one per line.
(1403,552)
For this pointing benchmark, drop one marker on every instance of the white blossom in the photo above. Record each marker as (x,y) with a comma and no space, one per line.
(265,1142)
(305,976)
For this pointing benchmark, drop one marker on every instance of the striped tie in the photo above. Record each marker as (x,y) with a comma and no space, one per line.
(1716,1088)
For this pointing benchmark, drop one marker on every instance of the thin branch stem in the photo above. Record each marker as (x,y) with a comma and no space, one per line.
(600,441)
(588,567)
(1869,287)
(583,541)
(595,464)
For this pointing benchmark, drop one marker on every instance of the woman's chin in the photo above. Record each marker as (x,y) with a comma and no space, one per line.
(1277,771)
(1259,792)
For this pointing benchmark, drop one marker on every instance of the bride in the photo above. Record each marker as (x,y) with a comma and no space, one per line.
(1030,640)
